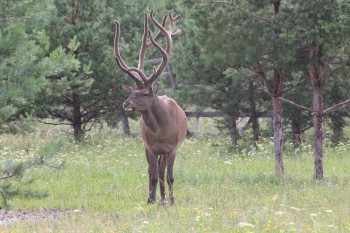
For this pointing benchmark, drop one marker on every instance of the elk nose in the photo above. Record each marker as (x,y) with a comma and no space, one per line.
(125,105)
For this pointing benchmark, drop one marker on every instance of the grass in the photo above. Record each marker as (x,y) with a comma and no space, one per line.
(216,189)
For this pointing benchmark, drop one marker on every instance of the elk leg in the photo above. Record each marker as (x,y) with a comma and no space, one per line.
(149,174)
(170,174)
(161,172)
(153,175)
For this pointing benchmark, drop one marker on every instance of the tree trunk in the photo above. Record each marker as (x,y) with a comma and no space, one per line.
(125,125)
(254,115)
(337,123)
(318,94)
(77,125)
(172,78)
(296,134)
(278,135)
(233,130)
(275,92)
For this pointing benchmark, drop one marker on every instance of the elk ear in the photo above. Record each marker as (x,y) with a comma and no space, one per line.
(154,88)
(128,89)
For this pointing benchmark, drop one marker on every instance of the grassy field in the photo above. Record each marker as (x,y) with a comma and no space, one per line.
(216,189)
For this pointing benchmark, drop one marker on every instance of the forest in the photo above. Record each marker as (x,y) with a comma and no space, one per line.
(249,74)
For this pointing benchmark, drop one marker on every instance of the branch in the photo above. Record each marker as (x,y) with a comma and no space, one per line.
(310,111)
(344,104)
(223,2)
(300,83)
(7,177)
(67,97)
(51,123)
(262,78)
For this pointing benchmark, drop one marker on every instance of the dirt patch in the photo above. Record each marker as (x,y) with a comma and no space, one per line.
(13,216)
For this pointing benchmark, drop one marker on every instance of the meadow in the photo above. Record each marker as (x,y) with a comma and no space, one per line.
(216,189)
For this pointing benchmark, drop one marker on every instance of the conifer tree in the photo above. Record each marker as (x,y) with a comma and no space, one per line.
(24,64)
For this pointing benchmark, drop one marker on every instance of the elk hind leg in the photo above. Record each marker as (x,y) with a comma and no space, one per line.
(170,175)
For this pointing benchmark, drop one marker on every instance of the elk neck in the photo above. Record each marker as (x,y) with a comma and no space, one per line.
(153,116)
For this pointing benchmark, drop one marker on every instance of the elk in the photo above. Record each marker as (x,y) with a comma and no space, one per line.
(163,122)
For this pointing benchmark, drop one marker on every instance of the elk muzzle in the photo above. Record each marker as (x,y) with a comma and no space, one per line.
(128,105)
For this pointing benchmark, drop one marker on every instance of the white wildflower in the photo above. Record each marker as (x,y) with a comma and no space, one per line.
(245,224)
(228,162)
(280,212)
(295,208)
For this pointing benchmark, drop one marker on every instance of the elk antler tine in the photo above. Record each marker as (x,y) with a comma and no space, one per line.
(164,63)
(155,44)
(144,48)
(118,57)
(173,18)
(173,24)
(177,33)
(159,34)
(159,26)
(164,19)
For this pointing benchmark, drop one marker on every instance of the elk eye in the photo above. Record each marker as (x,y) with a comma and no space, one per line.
(145,94)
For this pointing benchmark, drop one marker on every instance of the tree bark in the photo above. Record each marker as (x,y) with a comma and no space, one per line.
(275,93)
(337,124)
(296,131)
(125,125)
(173,81)
(278,135)
(318,95)
(233,129)
(254,115)
(77,125)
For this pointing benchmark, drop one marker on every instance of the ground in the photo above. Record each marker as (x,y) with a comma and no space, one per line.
(13,216)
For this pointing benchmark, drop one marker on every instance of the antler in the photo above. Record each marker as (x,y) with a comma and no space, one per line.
(137,74)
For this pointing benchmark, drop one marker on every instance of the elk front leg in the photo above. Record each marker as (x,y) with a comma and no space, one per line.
(170,175)
(153,175)
(161,172)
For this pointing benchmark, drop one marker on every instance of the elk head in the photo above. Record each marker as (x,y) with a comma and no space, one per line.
(141,97)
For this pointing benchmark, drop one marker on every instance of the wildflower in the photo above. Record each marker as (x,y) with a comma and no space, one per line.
(245,224)
(295,208)
(328,211)
(228,162)
(280,212)
(274,198)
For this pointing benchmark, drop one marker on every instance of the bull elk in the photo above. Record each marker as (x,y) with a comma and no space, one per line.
(163,122)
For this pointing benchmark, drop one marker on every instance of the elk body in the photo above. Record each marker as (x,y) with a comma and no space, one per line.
(163,122)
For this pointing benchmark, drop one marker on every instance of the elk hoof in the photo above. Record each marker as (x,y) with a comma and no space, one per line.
(172,201)
(150,201)
(162,202)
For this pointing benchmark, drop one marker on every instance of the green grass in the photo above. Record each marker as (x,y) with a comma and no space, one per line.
(216,189)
